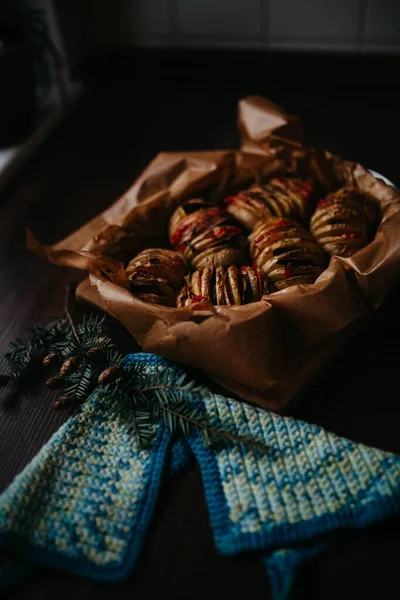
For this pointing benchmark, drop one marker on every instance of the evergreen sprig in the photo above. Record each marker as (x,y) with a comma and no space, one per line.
(24,355)
(147,398)
(81,382)
(63,341)
(86,356)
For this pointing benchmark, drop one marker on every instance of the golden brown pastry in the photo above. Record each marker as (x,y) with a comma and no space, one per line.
(341,222)
(286,252)
(206,235)
(280,197)
(156,275)
(224,287)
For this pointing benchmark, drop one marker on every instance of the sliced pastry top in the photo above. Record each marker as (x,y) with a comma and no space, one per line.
(156,275)
(224,286)
(286,252)
(207,235)
(280,197)
(342,221)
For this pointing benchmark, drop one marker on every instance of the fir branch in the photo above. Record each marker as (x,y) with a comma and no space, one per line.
(63,340)
(171,388)
(144,398)
(66,348)
(25,355)
(112,356)
(82,381)
(178,405)
(143,426)
(212,435)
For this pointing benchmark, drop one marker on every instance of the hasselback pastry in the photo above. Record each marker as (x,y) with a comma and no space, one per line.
(206,235)
(280,197)
(224,286)
(156,275)
(286,252)
(342,220)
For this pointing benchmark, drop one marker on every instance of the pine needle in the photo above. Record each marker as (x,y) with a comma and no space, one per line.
(142,397)
(211,435)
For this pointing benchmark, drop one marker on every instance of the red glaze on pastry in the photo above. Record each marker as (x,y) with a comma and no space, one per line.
(342,221)
(224,286)
(286,253)
(279,197)
(156,275)
(206,235)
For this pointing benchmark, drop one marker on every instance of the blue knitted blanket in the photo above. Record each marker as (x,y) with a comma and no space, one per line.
(85,502)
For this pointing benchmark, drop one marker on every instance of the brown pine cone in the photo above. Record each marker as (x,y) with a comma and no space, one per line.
(206,235)
(108,376)
(342,220)
(69,366)
(286,252)
(224,287)
(156,275)
(280,197)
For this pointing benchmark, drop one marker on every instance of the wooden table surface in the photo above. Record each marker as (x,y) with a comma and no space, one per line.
(142,103)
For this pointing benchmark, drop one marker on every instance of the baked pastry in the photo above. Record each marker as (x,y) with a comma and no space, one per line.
(206,235)
(156,275)
(286,252)
(280,197)
(224,287)
(342,220)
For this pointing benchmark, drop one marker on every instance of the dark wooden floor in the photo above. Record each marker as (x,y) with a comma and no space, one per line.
(141,104)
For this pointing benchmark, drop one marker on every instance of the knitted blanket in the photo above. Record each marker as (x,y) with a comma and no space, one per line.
(85,502)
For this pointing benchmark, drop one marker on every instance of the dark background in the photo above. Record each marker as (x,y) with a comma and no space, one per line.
(139,103)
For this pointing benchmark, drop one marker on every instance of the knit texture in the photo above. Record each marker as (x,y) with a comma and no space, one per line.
(85,502)
(14,570)
(308,483)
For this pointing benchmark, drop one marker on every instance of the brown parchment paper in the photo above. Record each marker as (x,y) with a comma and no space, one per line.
(266,352)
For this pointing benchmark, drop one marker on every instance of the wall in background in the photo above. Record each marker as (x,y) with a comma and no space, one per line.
(321,25)
(74,19)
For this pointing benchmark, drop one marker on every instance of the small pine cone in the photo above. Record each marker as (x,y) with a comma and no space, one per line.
(95,354)
(62,403)
(4,380)
(55,383)
(69,366)
(50,359)
(108,376)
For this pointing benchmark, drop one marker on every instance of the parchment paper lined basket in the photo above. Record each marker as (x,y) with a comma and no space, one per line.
(266,352)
